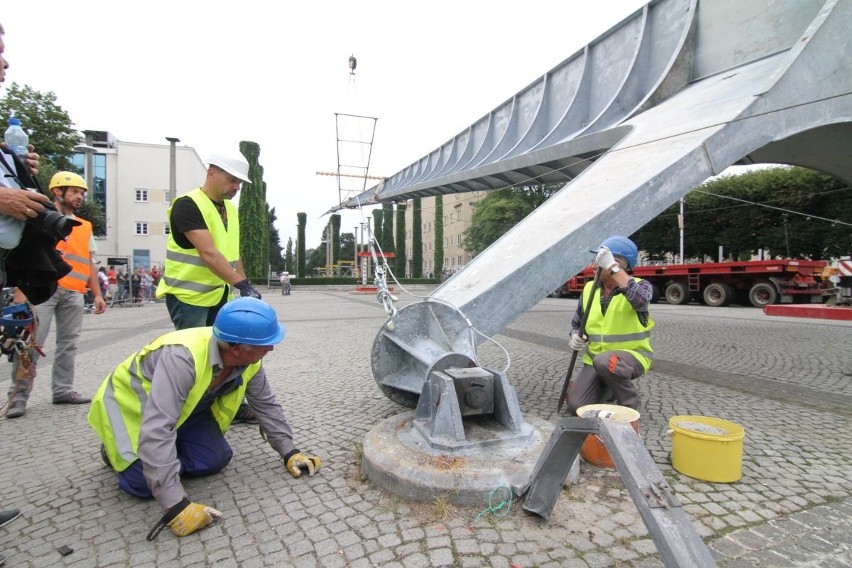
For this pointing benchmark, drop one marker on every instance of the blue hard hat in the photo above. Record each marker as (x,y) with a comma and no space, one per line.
(623,247)
(250,321)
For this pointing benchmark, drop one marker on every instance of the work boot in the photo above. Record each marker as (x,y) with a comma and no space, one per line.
(104,455)
(7,517)
(72,397)
(16,408)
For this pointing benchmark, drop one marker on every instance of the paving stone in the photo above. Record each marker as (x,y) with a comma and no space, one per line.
(791,508)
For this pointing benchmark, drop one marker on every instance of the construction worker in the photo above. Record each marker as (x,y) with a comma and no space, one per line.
(203,250)
(66,304)
(616,345)
(163,412)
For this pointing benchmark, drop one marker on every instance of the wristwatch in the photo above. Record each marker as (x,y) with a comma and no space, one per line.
(614,269)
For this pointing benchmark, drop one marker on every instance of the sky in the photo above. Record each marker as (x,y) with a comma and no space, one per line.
(214,73)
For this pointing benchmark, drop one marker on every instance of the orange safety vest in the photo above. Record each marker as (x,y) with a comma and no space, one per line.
(75,251)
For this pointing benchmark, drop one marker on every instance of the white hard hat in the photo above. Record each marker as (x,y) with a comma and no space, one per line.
(236,165)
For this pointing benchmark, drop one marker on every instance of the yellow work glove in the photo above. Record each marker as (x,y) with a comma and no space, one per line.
(298,462)
(185,518)
(193,517)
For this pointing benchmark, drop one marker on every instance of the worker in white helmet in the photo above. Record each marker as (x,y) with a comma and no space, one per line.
(203,250)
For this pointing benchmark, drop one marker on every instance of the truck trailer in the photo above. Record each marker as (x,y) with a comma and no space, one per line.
(756,282)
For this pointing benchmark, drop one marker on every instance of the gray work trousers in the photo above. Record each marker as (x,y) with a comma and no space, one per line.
(67,307)
(610,371)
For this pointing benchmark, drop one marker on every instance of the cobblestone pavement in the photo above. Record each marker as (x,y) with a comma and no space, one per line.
(787,381)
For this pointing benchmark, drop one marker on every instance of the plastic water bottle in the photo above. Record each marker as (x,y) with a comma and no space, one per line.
(16,139)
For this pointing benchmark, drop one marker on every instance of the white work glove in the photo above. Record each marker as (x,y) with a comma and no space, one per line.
(577,342)
(604,258)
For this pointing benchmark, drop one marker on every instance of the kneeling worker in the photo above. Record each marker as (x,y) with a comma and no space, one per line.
(617,342)
(163,412)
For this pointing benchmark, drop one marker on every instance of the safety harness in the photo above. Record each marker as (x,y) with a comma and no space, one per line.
(18,324)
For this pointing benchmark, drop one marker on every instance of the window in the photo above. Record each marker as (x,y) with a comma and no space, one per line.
(167,197)
(141,195)
(167,229)
(141,228)
(97,191)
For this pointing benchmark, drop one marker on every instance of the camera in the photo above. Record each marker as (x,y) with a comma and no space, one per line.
(53,223)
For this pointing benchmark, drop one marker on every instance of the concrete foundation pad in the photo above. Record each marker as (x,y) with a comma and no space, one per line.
(398,459)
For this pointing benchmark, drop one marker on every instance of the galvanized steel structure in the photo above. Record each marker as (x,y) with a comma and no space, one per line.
(667,98)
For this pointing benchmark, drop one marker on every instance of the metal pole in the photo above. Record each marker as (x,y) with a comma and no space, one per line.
(680,225)
(786,239)
(355,246)
(172,167)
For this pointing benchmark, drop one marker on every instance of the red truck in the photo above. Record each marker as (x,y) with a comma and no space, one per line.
(758,282)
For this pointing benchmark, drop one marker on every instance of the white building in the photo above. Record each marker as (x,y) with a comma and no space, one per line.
(457,213)
(132,181)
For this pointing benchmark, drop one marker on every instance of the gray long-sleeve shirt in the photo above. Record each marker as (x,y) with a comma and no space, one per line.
(172,374)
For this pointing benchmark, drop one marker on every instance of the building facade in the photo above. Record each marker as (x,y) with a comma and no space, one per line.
(132,182)
(456,218)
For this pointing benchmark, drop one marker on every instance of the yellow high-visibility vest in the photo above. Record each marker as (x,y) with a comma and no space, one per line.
(116,411)
(618,329)
(185,275)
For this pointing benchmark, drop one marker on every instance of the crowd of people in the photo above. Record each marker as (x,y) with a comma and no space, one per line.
(136,287)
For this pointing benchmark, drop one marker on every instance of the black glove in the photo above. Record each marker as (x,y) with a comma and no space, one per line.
(246,289)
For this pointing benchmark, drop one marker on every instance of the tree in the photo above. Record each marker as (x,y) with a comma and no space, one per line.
(92,212)
(378,214)
(48,125)
(439,234)
(300,239)
(335,235)
(254,218)
(276,261)
(387,227)
(417,238)
(782,210)
(288,256)
(501,210)
(400,261)
(347,246)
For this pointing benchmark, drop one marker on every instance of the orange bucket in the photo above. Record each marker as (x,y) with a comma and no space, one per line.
(593,450)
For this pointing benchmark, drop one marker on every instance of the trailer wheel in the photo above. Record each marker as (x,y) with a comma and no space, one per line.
(718,294)
(656,293)
(677,293)
(762,294)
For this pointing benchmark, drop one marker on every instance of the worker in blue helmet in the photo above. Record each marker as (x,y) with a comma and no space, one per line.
(163,412)
(616,343)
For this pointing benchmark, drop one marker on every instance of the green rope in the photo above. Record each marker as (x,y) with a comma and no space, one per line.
(498,510)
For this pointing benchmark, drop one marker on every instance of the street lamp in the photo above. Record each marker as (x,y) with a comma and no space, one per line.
(172,168)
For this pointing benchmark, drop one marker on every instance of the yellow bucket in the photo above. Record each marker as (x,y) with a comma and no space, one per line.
(593,449)
(710,449)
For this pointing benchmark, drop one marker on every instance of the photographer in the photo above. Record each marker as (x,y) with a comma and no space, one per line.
(66,304)
(16,206)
